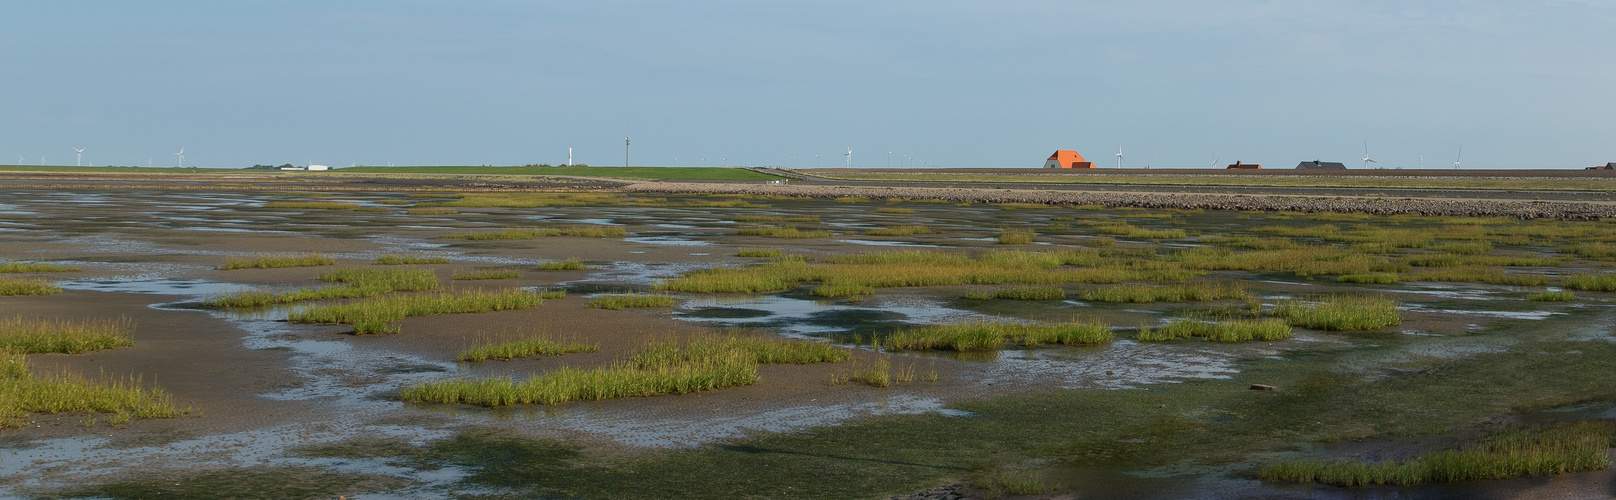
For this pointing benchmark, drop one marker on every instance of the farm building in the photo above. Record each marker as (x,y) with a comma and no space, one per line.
(1244,166)
(1607,166)
(1066,158)
(1320,165)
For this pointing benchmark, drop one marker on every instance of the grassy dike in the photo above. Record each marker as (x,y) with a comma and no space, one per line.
(1206,422)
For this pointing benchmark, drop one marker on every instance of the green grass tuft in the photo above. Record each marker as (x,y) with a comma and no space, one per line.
(487,275)
(1237,330)
(1020,293)
(1373,278)
(398,260)
(313,205)
(1016,236)
(269,261)
(374,316)
(982,335)
(523,348)
(1341,312)
(35,336)
(34,267)
(1590,282)
(27,286)
(899,231)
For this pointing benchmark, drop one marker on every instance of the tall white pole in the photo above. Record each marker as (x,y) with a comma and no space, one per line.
(569,157)
(625,151)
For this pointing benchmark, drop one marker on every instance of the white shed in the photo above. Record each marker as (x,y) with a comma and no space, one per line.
(318,167)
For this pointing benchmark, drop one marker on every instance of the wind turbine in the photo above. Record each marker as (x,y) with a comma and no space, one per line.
(1119,155)
(849,156)
(1366,159)
(1456,158)
(1214,162)
(181,154)
(42,160)
(80,161)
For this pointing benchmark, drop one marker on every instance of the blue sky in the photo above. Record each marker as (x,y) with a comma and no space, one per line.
(1177,83)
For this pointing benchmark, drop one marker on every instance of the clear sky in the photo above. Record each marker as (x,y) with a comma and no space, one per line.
(1177,83)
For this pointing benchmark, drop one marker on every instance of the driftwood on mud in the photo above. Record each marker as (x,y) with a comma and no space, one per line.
(1263,202)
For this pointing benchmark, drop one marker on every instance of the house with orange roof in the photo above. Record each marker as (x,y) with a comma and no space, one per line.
(1066,158)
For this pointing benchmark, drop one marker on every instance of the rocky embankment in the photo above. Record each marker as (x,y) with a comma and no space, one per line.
(1264,202)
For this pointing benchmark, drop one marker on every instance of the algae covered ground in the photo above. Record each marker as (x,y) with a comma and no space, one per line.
(657,346)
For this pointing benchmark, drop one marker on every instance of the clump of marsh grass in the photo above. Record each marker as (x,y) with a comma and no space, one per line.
(998,481)
(374,316)
(1234,330)
(891,210)
(1556,449)
(834,290)
(528,234)
(1191,292)
(1590,282)
(492,274)
(984,335)
(22,393)
(34,336)
(899,231)
(879,373)
(357,283)
(620,302)
(1561,296)
(34,267)
(1020,293)
(570,264)
(552,294)
(1341,312)
(784,232)
(852,199)
(269,261)
(758,252)
(659,368)
(27,286)
(521,348)
(398,260)
(1016,236)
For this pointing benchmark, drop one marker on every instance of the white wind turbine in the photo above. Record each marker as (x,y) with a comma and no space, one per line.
(181,154)
(80,161)
(1214,162)
(1366,159)
(1456,158)
(1119,155)
(849,156)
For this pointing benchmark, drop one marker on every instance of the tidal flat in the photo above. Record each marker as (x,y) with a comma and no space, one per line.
(1099,352)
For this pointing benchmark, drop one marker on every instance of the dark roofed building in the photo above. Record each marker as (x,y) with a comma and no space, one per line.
(1244,166)
(1607,166)
(1320,165)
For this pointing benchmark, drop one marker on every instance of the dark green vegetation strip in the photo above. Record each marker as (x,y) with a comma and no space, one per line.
(270,261)
(1556,449)
(716,173)
(245,483)
(620,302)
